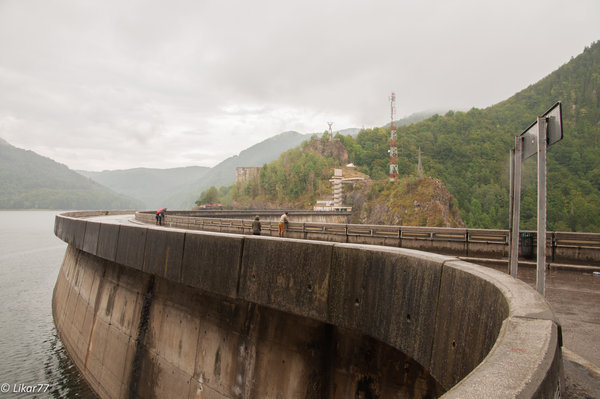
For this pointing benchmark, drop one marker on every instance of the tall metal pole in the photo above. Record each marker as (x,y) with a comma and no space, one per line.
(516,205)
(540,282)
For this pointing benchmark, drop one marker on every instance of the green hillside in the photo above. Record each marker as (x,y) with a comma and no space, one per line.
(30,181)
(300,177)
(178,188)
(223,174)
(469,151)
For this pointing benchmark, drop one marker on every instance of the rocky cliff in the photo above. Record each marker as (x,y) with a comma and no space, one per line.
(408,202)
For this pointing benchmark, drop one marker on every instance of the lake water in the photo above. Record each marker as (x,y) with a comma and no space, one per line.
(33,362)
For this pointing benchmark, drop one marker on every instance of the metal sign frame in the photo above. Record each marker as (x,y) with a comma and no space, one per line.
(530,135)
(548,126)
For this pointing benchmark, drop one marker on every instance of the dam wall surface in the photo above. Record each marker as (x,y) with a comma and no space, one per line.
(561,247)
(147,311)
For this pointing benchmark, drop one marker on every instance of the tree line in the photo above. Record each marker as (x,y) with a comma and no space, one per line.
(469,153)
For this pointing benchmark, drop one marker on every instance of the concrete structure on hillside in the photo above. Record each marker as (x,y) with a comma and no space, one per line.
(345,175)
(148,311)
(336,182)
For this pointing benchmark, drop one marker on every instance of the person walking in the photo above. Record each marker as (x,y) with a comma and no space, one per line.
(256,227)
(283,224)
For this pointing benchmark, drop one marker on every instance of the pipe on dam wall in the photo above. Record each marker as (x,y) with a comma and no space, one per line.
(154,312)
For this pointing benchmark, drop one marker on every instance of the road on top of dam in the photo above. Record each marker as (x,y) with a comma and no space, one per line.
(574,295)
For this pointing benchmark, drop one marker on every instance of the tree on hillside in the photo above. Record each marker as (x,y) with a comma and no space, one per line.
(209,196)
(469,151)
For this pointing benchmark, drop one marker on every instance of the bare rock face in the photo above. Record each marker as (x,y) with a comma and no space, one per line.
(408,202)
(328,149)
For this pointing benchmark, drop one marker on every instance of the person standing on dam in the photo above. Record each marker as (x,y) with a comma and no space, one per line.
(160,214)
(283,224)
(256,227)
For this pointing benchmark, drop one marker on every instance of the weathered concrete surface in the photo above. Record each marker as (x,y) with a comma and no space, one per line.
(192,344)
(305,319)
(574,297)
(290,275)
(96,306)
(107,241)
(211,262)
(512,361)
(164,253)
(369,281)
(130,246)
(473,314)
(561,247)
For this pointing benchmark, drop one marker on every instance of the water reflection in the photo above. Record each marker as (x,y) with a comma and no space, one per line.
(32,355)
(67,381)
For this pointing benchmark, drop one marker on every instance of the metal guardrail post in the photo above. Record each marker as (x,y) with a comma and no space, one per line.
(513,248)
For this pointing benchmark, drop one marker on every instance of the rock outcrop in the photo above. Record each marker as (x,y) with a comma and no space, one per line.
(408,202)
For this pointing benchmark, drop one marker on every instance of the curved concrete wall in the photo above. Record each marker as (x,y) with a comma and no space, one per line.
(574,248)
(148,311)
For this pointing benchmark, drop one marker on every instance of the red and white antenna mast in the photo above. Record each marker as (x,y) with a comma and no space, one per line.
(393,142)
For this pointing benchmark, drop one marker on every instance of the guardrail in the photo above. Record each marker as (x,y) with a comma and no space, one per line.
(561,247)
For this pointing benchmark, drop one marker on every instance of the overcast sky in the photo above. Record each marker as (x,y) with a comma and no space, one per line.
(116,84)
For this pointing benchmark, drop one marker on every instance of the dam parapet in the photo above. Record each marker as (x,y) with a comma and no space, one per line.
(562,248)
(149,311)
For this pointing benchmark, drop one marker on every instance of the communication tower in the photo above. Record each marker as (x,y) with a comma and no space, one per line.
(393,142)
(330,132)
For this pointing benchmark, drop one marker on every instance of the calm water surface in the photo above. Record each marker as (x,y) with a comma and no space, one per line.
(33,362)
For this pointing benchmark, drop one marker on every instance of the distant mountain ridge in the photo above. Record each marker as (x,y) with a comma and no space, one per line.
(151,186)
(50,185)
(223,174)
(31,181)
(154,186)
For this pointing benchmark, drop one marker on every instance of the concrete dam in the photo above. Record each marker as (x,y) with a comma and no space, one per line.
(150,311)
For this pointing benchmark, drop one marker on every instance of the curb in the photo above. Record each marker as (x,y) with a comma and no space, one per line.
(575,358)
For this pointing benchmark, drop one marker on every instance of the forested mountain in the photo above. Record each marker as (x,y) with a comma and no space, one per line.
(259,154)
(469,151)
(152,186)
(296,179)
(31,181)
(223,174)
(180,187)
(300,177)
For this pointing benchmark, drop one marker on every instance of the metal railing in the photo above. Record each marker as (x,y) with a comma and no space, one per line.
(562,247)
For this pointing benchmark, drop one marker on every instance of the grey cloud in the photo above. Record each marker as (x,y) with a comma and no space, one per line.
(154,83)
